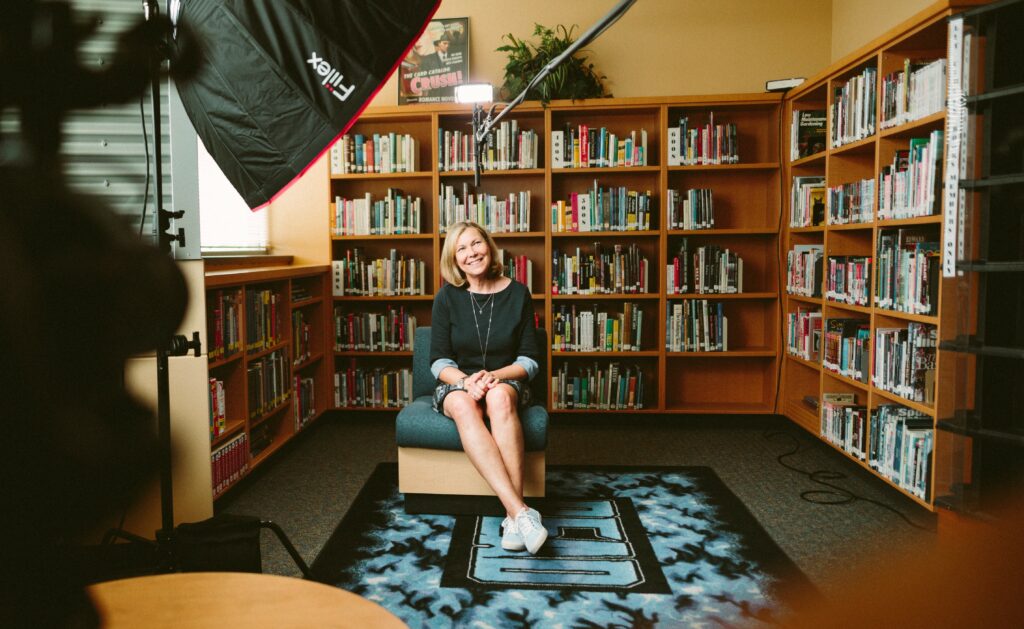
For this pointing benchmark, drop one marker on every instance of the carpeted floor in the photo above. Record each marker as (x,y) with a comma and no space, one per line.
(311,484)
(629,546)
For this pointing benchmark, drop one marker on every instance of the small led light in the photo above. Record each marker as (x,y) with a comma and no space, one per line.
(474,93)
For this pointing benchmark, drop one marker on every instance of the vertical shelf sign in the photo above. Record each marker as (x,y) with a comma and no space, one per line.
(952,245)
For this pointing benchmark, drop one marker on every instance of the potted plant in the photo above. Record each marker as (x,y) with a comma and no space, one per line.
(573,79)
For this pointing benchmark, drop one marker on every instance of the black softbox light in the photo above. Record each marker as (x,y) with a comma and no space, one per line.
(282,79)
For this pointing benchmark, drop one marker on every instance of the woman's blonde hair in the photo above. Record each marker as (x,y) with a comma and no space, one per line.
(450,270)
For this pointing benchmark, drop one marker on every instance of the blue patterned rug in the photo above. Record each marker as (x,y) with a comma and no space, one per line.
(629,547)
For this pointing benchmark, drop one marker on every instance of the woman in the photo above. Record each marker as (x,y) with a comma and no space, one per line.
(483,352)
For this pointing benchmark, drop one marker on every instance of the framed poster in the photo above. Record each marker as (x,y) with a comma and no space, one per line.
(437,62)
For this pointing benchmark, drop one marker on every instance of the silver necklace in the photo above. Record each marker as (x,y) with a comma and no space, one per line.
(479,307)
(479,337)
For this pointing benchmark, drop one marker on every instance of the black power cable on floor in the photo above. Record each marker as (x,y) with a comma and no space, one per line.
(834,495)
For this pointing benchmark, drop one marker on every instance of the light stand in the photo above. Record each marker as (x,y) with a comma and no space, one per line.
(482,125)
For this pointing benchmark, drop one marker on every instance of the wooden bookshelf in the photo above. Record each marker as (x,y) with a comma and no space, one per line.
(301,318)
(922,38)
(747,209)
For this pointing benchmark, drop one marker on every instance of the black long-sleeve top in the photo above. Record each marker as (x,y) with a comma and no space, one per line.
(453,330)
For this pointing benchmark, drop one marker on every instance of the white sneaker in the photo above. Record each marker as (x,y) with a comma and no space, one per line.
(510,538)
(531,530)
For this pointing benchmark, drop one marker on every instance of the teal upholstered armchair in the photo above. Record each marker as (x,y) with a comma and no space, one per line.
(434,473)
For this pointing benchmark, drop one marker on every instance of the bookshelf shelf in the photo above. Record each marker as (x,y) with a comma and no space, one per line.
(716,296)
(312,360)
(384,237)
(905,222)
(602,297)
(606,170)
(353,353)
(639,354)
(816,229)
(867,145)
(846,379)
(838,305)
(804,362)
(307,302)
(607,234)
(230,311)
(808,300)
(818,159)
(906,316)
(381,409)
(379,298)
(851,227)
(732,353)
(759,231)
(899,399)
(916,127)
(740,166)
(221,362)
(512,172)
(232,427)
(383,176)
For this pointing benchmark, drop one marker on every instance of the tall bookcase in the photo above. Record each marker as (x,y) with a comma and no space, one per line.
(747,205)
(267,336)
(810,385)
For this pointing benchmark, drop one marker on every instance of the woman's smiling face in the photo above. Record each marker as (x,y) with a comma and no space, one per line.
(472,254)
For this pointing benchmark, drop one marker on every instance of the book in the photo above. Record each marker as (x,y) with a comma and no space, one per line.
(810,132)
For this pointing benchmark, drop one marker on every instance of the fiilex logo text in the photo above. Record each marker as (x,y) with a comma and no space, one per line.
(332,78)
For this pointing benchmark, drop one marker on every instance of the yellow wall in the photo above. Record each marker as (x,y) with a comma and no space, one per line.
(661,47)
(857,22)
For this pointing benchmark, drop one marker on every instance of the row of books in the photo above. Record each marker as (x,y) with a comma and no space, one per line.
(624,269)
(517,267)
(302,335)
(696,325)
(304,407)
(848,280)
(915,91)
(581,146)
(705,144)
(846,348)
(852,202)
(394,330)
(691,209)
(395,275)
(901,447)
(853,108)
(261,437)
(229,462)
(263,327)
(807,201)
(905,361)
(804,270)
(223,333)
(363,216)
(844,423)
(493,213)
(269,380)
(908,187)
(709,269)
(803,333)
(611,209)
(506,147)
(218,408)
(908,271)
(615,387)
(579,329)
(807,133)
(374,387)
(379,153)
